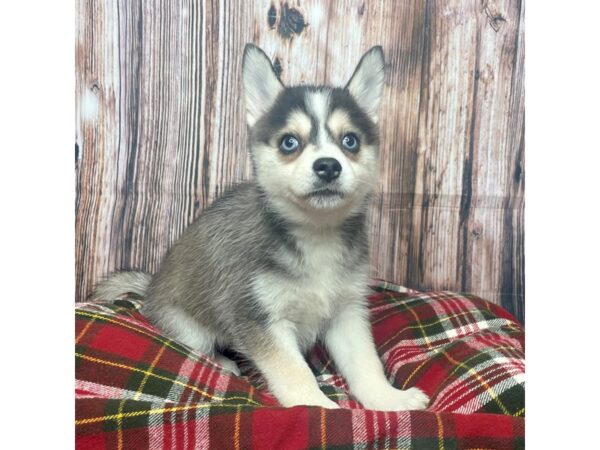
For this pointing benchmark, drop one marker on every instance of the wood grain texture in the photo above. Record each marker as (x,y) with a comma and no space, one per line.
(160,127)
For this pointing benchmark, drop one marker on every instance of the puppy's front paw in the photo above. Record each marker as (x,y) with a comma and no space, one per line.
(393,399)
(317,400)
(328,404)
(412,399)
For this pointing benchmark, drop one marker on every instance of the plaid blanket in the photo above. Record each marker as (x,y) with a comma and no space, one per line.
(136,388)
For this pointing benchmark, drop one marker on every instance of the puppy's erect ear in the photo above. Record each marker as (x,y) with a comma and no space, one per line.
(261,85)
(366,83)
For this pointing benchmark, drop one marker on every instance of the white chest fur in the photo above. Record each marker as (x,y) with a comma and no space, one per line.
(319,284)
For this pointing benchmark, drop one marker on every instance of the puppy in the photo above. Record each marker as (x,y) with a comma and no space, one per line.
(282,261)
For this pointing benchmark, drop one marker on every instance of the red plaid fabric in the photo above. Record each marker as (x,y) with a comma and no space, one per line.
(136,388)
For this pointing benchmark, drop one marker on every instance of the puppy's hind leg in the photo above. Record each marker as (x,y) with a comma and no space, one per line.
(227,363)
(290,379)
(181,326)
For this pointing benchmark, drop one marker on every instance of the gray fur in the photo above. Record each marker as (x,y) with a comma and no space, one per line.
(209,270)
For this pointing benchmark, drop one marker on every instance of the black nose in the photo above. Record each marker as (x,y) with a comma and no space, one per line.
(327,169)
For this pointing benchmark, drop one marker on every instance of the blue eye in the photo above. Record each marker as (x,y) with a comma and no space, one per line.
(350,142)
(289,144)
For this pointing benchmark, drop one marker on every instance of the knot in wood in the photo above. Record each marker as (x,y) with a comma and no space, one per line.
(291,22)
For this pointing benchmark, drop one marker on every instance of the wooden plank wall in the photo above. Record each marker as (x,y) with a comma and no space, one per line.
(160,127)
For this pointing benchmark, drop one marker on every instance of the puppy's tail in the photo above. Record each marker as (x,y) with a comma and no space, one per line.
(122,283)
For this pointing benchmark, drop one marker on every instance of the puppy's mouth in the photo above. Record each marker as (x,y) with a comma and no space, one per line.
(325,193)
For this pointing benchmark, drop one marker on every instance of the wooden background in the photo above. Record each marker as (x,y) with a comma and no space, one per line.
(160,127)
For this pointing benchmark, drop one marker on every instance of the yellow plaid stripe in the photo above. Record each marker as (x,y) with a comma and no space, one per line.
(420,326)
(236,433)
(480,379)
(323,429)
(437,350)
(164,341)
(471,358)
(120,425)
(440,431)
(423,326)
(416,369)
(160,377)
(83,331)
(409,308)
(429,324)
(149,372)
(149,412)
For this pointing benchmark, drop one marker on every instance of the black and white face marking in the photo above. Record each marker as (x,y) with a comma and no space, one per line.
(315,146)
